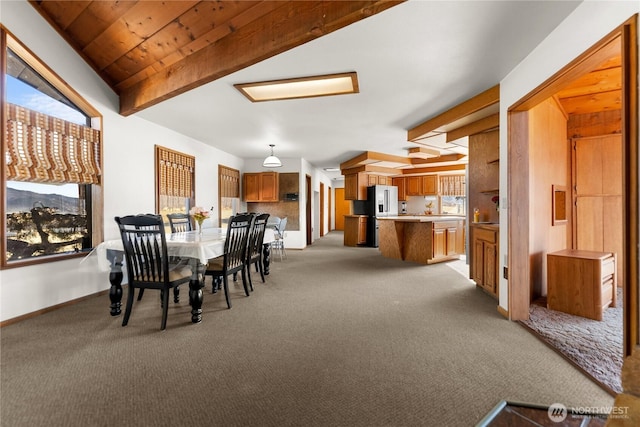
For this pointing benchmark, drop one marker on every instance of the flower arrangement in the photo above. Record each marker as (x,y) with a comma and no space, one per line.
(496,200)
(199,214)
(429,207)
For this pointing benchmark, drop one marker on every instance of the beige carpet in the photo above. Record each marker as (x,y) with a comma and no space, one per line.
(595,346)
(338,336)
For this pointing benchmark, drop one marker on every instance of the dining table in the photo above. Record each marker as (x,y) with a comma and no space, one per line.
(195,248)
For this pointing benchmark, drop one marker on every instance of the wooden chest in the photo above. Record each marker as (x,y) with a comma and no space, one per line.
(582,283)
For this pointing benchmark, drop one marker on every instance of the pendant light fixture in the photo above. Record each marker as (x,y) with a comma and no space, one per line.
(272,161)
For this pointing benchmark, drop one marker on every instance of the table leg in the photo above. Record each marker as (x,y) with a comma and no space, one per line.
(266,258)
(115,278)
(195,292)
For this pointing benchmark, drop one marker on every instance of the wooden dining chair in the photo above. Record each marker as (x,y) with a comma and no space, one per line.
(148,267)
(179,222)
(235,254)
(254,250)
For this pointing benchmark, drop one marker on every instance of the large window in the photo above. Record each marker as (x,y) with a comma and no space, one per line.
(52,168)
(175,182)
(228,193)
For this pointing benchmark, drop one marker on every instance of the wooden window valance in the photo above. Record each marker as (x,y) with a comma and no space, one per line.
(42,148)
(452,185)
(175,173)
(229,181)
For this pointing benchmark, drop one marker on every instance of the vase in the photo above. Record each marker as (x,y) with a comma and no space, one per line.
(199,227)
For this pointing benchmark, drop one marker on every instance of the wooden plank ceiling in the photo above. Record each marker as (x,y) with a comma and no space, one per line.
(149,51)
(599,90)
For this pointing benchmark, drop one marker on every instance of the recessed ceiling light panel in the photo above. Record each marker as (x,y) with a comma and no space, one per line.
(303,87)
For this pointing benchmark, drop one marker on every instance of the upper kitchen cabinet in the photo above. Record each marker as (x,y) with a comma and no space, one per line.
(355,186)
(400,182)
(260,187)
(378,180)
(422,185)
(414,185)
(371,168)
(430,185)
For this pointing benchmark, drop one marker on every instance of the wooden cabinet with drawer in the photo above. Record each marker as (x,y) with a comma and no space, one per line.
(583,283)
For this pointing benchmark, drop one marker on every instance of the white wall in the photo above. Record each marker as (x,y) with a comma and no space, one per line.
(128,171)
(590,22)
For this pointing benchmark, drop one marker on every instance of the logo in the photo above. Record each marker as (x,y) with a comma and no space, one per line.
(557,412)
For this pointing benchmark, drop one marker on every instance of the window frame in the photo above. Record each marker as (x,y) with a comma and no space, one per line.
(96,226)
(160,151)
(228,186)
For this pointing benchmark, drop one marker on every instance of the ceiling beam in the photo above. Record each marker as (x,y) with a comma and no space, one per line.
(444,158)
(373,157)
(470,106)
(482,125)
(293,23)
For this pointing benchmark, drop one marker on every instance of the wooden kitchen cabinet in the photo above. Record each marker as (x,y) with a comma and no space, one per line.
(402,192)
(448,239)
(439,243)
(422,185)
(260,187)
(429,185)
(582,283)
(484,266)
(355,230)
(355,186)
(378,180)
(413,185)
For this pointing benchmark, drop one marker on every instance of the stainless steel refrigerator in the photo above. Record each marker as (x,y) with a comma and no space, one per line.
(382,201)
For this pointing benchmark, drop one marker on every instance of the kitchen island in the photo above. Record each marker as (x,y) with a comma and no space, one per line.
(425,239)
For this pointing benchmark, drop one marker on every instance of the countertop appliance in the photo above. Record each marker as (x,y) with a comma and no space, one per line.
(382,201)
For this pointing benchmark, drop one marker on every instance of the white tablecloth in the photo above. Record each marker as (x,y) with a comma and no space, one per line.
(203,247)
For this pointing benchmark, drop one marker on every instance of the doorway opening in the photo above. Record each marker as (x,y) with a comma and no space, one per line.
(554,132)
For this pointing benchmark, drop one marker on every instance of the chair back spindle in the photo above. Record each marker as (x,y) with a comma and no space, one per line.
(179,222)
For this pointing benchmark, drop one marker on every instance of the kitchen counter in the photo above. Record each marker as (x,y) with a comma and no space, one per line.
(423,239)
(423,218)
(490,225)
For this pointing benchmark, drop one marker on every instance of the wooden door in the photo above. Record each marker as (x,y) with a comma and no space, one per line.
(329,210)
(308,211)
(321,209)
(343,207)
(598,214)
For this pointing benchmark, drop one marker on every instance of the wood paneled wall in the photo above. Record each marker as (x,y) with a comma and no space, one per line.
(484,175)
(549,164)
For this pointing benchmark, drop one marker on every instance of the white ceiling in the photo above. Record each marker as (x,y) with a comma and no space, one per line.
(413,61)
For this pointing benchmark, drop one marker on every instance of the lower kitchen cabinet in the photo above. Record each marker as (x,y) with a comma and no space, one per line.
(448,239)
(484,265)
(355,230)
